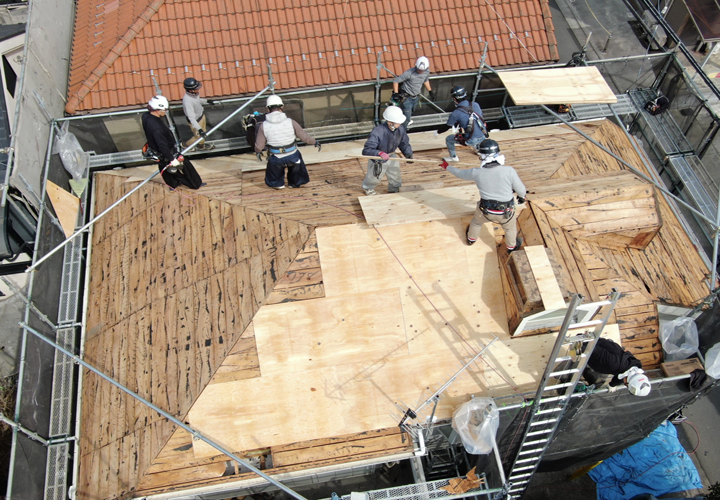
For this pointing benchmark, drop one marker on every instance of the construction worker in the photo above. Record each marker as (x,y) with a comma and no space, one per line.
(162,147)
(611,359)
(496,183)
(195,113)
(408,87)
(466,121)
(383,141)
(279,133)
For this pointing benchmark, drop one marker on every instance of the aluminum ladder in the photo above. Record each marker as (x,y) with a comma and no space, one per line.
(549,406)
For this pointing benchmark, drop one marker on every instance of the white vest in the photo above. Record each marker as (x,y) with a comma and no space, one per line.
(279,131)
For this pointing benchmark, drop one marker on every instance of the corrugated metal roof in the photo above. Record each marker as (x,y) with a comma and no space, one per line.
(119,46)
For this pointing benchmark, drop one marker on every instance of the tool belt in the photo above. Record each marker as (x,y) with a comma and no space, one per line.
(282,149)
(493,207)
(149,154)
(198,119)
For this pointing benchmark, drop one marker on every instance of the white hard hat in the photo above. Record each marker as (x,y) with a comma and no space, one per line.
(422,63)
(274,100)
(637,381)
(393,114)
(159,103)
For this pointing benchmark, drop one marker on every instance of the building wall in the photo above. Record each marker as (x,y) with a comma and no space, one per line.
(48,40)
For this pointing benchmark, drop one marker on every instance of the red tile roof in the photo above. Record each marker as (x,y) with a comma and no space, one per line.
(120,45)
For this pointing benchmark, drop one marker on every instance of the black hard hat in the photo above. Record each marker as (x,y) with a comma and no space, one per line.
(191,84)
(488,147)
(458,92)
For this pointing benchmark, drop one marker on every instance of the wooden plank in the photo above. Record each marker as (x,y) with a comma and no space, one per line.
(583,84)
(550,293)
(339,451)
(66,206)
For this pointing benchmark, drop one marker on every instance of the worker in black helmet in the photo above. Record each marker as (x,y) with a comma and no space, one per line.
(496,182)
(195,113)
(466,122)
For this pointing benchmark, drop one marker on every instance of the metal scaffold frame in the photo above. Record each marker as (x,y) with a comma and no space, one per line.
(67,327)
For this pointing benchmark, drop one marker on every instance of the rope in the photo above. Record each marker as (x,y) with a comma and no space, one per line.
(511,31)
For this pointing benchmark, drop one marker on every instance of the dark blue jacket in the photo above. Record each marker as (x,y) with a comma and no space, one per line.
(461,117)
(386,140)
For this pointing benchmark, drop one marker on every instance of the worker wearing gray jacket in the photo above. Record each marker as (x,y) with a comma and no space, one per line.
(496,183)
(195,113)
(383,141)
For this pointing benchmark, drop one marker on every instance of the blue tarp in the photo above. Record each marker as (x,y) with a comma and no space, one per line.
(658,464)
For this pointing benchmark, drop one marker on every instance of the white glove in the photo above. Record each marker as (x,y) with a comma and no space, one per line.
(455,129)
(613,388)
(436,134)
(175,163)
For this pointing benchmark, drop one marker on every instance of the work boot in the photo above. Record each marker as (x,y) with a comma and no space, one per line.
(518,245)
(393,190)
(279,187)
(206,147)
(370,192)
(470,241)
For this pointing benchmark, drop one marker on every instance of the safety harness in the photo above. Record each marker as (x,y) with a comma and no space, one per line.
(494,207)
(282,149)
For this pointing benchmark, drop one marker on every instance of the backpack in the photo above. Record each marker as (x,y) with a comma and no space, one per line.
(658,105)
(250,123)
(473,118)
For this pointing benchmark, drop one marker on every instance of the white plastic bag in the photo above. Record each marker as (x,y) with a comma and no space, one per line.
(679,338)
(477,423)
(712,361)
(74,159)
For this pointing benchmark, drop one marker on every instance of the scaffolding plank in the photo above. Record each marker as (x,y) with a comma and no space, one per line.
(583,84)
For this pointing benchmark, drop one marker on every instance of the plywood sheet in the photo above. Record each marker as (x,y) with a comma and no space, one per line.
(66,207)
(557,86)
(426,205)
(550,292)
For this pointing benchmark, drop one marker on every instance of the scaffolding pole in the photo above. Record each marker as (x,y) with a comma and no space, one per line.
(104,212)
(196,434)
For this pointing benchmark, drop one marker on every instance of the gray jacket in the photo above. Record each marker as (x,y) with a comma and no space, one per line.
(193,109)
(494,181)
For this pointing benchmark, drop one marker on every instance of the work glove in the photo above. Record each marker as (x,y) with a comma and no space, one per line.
(202,133)
(613,388)
(444,165)
(436,134)
(384,155)
(432,95)
(211,102)
(318,146)
(409,157)
(175,163)
(521,200)
(259,156)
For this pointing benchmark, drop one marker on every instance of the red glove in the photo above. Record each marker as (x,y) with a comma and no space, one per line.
(384,155)
(180,158)
(444,165)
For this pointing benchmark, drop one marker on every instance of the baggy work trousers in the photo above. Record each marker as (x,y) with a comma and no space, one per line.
(391,168)
(196,133)
(297,173)
(509,225)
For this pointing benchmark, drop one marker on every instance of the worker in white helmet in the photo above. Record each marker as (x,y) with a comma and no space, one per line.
(610,358)
(408,87)
(383,141)
(162,147)
(279,132)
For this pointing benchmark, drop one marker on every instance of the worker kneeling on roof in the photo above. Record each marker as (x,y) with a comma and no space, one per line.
(496,183)
(609,358)
(383,141)
(279,133)
(161,147)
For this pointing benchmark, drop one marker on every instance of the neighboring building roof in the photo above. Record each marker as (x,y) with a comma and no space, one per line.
(119,46)
(11,30)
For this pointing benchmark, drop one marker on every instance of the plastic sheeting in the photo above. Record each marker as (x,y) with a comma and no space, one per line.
(658,465)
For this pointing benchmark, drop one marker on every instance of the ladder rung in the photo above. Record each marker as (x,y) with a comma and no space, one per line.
(546,431)
(516,469)
(520,476)
(550,410)
(526,460)
(538,441)
(528,452)
(548,421)
(593,322)
(553,399)
(564,372)
(558,386)
(519,483)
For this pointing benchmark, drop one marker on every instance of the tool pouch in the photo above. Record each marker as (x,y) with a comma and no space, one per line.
(377,168)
